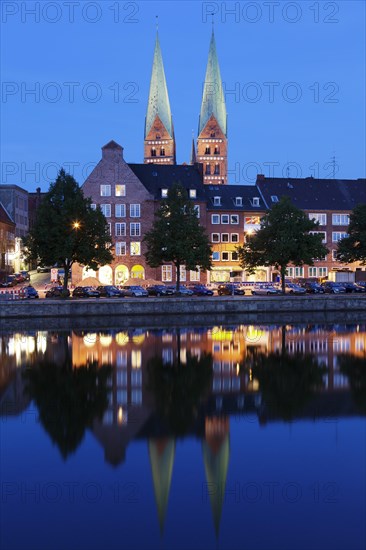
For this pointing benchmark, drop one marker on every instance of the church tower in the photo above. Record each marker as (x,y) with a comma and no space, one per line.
(212,128)
(159,145)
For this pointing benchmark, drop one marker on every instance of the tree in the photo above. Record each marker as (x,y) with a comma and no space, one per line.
(283,238)
(177,235)
(68,230)
(353,247)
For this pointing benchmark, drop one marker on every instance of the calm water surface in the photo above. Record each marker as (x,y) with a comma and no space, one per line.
(237,437)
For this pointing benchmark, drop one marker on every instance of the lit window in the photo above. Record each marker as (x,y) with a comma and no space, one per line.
(337,236)
(135,229)
(164,193)
(195,275)
(197,210)
(216,256)
(120,210)
(105,190)
(106,209)
(120,249)
(135,249)
(136,359)
(120,190)
(183,273)
(320,218)
(340,219)
(323,271)
(192,193)
(135,210)
(166,273)
(120,229)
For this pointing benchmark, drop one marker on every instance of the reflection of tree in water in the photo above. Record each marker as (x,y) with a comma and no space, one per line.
(178,389)
(287,382)
(68,399)
(355,369)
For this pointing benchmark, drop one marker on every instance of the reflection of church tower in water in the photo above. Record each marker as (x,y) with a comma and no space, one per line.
(162,453)
(216,453)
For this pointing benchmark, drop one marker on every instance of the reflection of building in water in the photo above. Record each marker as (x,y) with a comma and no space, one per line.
(216,453)
(162,454)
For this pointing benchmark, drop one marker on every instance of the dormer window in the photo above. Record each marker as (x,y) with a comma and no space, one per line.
(153,152)
(162,152)
(238,201)
(217,201)
(192,193)
(274,198)
(255,201)
(208,151)
(164,193)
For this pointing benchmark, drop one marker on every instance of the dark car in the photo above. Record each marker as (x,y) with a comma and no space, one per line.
(30,293)
(201,290)
(43,269)
(183,290)
(353,287)
(135,290)
(19,277)
(362,284)
(110,291)
(333,288)
(313,288)
(229,289)
(159,290)
(25,275)
(85,292)
(56,292)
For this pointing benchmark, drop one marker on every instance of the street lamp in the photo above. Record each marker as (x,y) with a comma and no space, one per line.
(76,225)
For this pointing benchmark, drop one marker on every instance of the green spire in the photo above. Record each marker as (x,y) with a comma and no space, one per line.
(213,101)
(193,153)
(162,453)
(158,103)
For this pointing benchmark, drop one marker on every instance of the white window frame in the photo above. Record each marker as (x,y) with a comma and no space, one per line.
(236,240)
(120,229)
(121,249)
(225,237)
(105,190)
(238,201)
(215,256)
(313,271)
(166,273)
(232,254)
(106,210)
(215,240)
(223,217)
(164,193)
(324,240)
(135,248)
(135,229)
(182,273)
(340,219)
(192,193)
(217,201)
(232,217)
(319,217)
(215,217)
(222,256)
(338,235)
(120,190)
(120,210)
(135,210)
(323,271)
(194,276)
(93,206)
(255,201)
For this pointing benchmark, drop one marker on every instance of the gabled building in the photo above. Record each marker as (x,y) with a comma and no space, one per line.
(7,242)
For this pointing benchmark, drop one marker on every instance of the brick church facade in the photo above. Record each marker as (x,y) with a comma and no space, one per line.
(129,194)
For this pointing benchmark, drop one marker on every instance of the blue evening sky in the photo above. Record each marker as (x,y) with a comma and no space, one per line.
(294,75)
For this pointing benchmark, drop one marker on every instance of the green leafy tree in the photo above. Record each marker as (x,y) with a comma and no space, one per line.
(284,238)
(353,247)
(68,230)
(177,235)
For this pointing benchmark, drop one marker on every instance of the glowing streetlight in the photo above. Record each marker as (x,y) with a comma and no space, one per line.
(76,225)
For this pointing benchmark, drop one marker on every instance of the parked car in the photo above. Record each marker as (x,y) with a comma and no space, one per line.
(292,288)
(313,288)
(353,287)
(85,292)
(362,284)
(200,290)
(30,293)
(159,290)
(333,288)
(229,289)
(43,268)
(56,292)
(110,291)
(183,290)
(135,291)
(266,290)
(25,275)
(19,278)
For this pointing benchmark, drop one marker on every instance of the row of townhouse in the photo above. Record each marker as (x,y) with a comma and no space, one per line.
(129,195)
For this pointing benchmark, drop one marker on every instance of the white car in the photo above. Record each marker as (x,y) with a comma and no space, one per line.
(292,288)
(265,290)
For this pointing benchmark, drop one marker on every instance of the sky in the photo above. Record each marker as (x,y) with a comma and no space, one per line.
(76,75)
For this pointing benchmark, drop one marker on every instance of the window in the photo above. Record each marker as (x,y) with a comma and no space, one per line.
(207,150)
(208,170)
(225,256)
(215,256)
(320,218)
(106,209)
(105,190)
(120,210)
(110,228)
(252,220)
(299,271)
(120,229)
(197,210)
(120,190)
(166,273)
(225,218)
(290,272)
(235,256)
(234,219)
(323,271)
(135,229)
(217,150)
(340,219)
(183,273)
(224,237)
(255,201)
(192,193)
(217,170)
(215,219)
(135,249)
(215,237)
(136,359)
(153,152)
(337,236)
(334,255)
(234,237)
(135,210)
(324,240)
(313,271)
(238,201)
(274,198)
(93,206)
(121,249)
(162,152)
(164,193)
(217,201)
(194,276)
